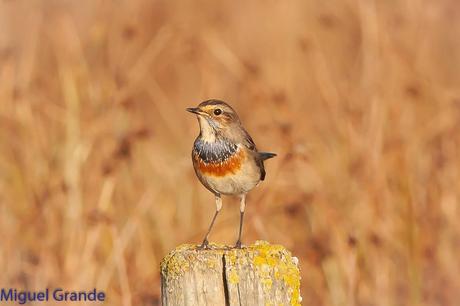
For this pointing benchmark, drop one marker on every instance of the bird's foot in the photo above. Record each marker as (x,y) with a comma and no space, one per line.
(204,245)
(237,245)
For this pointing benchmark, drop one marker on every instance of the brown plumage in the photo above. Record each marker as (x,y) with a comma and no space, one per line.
(225,157)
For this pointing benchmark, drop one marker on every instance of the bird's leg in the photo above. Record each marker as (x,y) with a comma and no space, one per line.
(205,243)
(242,206)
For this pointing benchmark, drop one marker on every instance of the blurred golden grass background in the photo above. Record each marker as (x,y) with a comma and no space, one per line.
(360,99)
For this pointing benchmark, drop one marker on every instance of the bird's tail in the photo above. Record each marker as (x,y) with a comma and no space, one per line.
(266,155)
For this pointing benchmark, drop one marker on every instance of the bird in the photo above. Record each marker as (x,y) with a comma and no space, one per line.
(225,158)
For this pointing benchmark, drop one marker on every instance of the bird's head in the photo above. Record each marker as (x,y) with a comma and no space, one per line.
(215,117)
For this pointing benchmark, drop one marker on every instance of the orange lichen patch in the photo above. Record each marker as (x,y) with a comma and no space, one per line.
(229,166)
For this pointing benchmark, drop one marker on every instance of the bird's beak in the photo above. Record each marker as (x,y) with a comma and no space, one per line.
(194,110)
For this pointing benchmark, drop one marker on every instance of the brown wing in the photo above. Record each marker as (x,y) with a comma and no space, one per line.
(249,143)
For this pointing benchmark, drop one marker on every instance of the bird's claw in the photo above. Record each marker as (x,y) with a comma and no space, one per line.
(204,245)
(238,244)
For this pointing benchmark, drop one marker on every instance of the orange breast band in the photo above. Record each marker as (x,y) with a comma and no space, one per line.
(229,166)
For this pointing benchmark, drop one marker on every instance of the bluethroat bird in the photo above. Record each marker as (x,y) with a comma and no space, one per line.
(225,157)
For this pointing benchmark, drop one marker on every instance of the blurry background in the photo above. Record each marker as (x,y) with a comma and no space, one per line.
(360,99)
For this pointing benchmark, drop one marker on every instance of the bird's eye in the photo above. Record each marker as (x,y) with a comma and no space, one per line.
(217,111)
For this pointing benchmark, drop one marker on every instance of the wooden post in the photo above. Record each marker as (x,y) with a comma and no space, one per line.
(260,274)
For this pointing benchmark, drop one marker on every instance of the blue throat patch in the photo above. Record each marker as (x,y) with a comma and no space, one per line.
(214,152)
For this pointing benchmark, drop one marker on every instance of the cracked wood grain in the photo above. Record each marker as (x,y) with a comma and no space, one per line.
(260,274)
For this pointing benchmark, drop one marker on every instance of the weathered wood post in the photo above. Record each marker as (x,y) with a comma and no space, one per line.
(260,274)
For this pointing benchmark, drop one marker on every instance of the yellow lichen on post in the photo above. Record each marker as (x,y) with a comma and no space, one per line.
(259,274)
